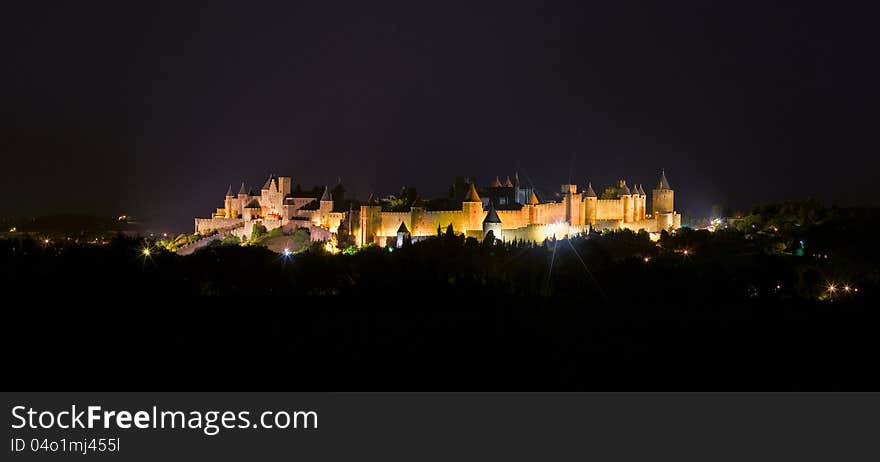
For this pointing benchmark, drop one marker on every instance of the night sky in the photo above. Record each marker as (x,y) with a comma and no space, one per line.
(154,108)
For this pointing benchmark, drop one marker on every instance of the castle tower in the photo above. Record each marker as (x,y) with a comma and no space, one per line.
(572,203)
(663,196)
(417,217)
(472,207)
(492,223)
(229,203)
(325,207)
(242,198)
(627,198)
(284,185)
(403,235)
(251,210)
(533,208)
(371,221)
(637,203)
(590,205)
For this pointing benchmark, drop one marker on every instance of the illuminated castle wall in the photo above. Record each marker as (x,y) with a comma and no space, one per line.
(511,211)
(575,213)
(275,206)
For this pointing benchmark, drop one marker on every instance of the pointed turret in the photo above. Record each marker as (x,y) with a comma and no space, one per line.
(663,184)
(492,215)
(326,195)
(624,190)
(492,223)
(269,182)
(642,191)
(663,199)
(590,192)
(507,183)
(229,191)
(471,195)
(534,199)
(496,183)
(403,235)
(242,190)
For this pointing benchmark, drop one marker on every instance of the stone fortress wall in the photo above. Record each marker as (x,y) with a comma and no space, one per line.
(578,211)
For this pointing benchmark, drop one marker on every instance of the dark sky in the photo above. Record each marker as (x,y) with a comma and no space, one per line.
(154,108)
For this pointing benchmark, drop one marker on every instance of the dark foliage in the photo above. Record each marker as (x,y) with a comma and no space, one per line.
(615,311)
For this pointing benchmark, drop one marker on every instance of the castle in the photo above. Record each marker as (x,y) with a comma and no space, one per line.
(510,210)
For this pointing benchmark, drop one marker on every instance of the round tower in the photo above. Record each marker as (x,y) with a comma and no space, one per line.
(637,204)
(403,235)
(492,223)
(590,205)
(242,199)
(627,198)
(663,196)
(228,203)
(472,207)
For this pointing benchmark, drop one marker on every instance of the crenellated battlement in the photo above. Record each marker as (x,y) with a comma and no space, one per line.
(532,220)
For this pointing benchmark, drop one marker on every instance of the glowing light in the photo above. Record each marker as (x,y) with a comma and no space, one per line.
(654,237)
(45,241)
(846,288)
(146,252)
(164,234)
(647,259)
(13,229)
(686,252)
(832,288)
(286,252)
(331,248)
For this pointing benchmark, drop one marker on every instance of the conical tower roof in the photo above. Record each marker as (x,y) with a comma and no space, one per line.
(269,182)
(642,190)
(402,228)
(229,191)
(326,195)
(242,190)
(624,190)
(471,195)
(495,183)
(492,216)
(534,199)
(253,204)
(590,192)
(663,184)
(507,183)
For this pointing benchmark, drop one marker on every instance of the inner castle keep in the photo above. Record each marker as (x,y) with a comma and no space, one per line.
(509,210)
